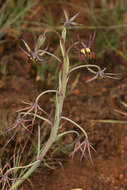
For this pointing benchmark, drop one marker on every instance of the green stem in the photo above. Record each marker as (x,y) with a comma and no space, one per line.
(59,106)
(83,66)
(26,175)
(45,92)
(77,125)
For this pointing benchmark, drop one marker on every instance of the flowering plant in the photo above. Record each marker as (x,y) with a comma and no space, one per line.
(60,93)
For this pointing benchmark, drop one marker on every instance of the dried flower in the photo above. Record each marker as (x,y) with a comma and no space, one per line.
(69,24)
(83,147)
(101,74)
(5,178)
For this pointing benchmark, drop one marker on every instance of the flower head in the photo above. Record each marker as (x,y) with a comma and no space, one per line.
(101,74)
(69,22)
(36,54)
(85,49)
(84,147)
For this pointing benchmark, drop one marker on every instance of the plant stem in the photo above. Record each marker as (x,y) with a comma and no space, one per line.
(60,95)
(25,176)
(83,66)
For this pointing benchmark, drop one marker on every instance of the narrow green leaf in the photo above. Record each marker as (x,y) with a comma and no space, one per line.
(39,141)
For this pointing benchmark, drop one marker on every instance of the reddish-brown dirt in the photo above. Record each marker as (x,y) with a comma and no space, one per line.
(85,103)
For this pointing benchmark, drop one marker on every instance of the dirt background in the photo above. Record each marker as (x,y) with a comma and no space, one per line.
(85,103)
